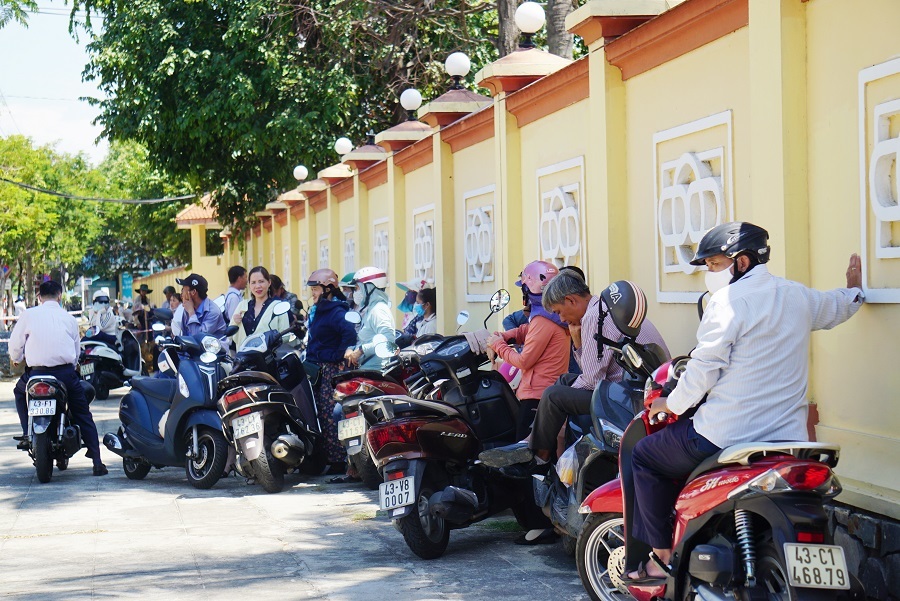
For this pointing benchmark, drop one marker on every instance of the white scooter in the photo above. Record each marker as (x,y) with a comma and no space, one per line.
(105,366)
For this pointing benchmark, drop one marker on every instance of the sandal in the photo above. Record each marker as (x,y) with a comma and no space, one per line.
(643,578)
(345,479)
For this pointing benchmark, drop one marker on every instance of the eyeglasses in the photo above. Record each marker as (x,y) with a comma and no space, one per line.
(100,301)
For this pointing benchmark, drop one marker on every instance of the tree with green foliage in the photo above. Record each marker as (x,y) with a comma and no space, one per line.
(230,95)
(16,10)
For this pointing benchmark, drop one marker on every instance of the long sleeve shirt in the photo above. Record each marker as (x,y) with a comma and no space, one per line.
(376,320)
(752,358)
(105,321)
(593,369)
(45,336)
(233,298)
(544,357)
(206,319)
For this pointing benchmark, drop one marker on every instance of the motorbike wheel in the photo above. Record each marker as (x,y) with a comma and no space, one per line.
(600,556)
(425,535)
(135,469)
(101,392)
(365,466)
(205,470)
(43,457)
(62,463)
(269,471)
(771,577)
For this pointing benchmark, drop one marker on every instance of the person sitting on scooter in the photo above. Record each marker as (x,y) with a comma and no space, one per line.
(330,335)
(425,320)
(201,315)
(545,338)
(569,297)
(376,314)
(47,338)
(257,313)
(750,363)
(348,288)
(104,324)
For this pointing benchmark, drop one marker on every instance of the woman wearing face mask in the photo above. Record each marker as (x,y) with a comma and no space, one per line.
(424,319)
(103,321)
(256,314)
(545,339)
(373,304)
(330,335)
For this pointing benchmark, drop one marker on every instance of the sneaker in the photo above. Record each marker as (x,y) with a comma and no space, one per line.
(100,470)
(508,455)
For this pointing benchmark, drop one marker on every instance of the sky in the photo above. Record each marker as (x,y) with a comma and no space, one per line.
(40,83)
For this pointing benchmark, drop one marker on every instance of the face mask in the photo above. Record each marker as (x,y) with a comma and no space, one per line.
(717,280)
(419,310)
(98,307)
(359,297)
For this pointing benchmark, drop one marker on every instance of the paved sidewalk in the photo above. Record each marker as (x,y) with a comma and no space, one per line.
(81,537)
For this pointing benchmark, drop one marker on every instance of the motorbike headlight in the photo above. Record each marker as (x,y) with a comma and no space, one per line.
(612,435)
(211,345)
(183,387)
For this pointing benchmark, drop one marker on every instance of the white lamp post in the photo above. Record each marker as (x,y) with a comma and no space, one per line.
(529,18)
(411,100)
(342,146)
(300,173)
(457,66)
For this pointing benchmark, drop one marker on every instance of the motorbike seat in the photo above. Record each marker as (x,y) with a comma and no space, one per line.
(163,389)
(744,453)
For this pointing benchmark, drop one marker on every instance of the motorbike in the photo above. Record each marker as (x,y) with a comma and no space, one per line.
(268,410)
(596,440)
(749,522)
(173,422)
(427,449)
(54,436)
(401,375)
(106,367)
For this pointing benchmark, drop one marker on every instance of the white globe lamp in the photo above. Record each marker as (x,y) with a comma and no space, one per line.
(529,18)
(342,146)
(411,100)
(457,66)
(300,173)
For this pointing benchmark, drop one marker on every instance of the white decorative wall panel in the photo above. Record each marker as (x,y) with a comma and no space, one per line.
(323,252)
(883,178)
(480,245)
(381,244)
(304,263)
(423,244)
(560,225)
(349,250)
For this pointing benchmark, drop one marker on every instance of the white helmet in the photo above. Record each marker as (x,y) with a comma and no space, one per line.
(371,275)
(102,293)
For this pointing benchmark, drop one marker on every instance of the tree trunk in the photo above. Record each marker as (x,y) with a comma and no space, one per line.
(508,33)
(559,41)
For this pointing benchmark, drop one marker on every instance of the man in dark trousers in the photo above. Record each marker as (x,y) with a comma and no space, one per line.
(47,338)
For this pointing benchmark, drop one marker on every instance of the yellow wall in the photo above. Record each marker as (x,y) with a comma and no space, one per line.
(785,140)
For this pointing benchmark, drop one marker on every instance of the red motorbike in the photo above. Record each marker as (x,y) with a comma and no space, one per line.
(748,524)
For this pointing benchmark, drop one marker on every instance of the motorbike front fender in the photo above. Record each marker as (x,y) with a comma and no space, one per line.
(605,499)
(251,447)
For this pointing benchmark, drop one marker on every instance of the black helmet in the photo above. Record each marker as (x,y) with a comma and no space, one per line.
(732,239)
(626,303)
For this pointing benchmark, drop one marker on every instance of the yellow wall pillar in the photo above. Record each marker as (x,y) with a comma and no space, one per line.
(397,226)
(198,244)
(445,258)
(508,244)
(778,155)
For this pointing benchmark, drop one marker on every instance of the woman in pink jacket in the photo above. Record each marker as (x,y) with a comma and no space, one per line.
(545,354)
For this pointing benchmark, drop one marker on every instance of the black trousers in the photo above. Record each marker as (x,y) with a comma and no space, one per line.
(557,403)
(78,405)
(661,462)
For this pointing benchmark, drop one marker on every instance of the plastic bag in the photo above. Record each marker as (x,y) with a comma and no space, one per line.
(568,464)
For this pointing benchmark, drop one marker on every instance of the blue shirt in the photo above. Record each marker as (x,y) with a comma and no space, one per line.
(207,319)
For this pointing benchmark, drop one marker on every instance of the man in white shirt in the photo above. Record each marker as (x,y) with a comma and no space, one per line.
(751,363)
(237,278)
(47,338)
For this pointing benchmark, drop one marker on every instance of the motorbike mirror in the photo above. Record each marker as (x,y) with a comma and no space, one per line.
(231,331)
(219,301)
(462,317)
(281,308)
(633,356)
(499,300)
(353,317)
(158,327)
(386,350)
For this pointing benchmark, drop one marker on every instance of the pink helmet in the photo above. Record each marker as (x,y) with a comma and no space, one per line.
(537,275)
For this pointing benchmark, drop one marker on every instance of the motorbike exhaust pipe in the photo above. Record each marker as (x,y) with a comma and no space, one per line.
(707,593)
(112,442)
(71,440)
(288,448)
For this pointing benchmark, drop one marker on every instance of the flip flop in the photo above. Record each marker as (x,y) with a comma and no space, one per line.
(343,480)
(643,578)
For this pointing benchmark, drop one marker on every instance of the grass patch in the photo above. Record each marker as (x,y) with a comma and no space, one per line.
(500,525)
(359,517)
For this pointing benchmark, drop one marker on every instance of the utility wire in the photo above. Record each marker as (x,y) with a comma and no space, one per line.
(127,201)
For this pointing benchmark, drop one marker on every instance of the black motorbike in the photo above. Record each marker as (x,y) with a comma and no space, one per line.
(54,436)
(107,366)
(173,422)
(268,410)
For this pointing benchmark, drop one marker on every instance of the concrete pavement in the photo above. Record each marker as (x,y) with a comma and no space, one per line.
(81,537)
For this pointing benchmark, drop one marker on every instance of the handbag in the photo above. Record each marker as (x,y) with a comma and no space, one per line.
(313,372)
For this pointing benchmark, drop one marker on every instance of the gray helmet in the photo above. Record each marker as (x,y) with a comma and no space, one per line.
(626,303)
(731,240)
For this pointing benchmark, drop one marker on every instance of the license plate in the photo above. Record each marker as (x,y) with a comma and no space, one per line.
(397,493)
(245,425)
(42,407)
(351,428)
(86,369)
(816,566)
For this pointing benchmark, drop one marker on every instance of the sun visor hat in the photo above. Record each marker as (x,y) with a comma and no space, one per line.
(194,281)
